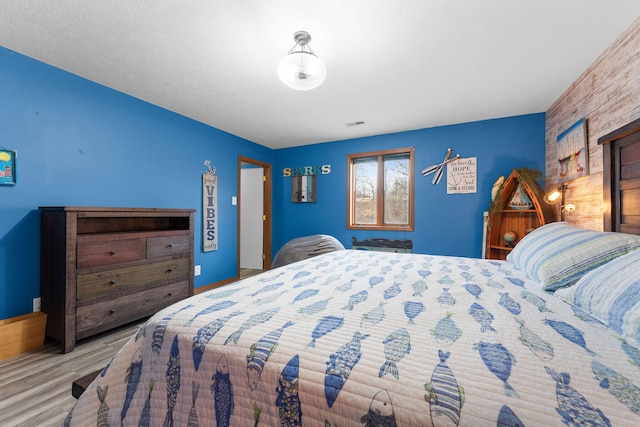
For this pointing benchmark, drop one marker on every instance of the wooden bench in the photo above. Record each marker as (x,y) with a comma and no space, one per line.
(382,245)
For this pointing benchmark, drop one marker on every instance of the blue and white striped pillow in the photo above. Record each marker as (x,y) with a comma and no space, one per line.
(558,254)
(611,294)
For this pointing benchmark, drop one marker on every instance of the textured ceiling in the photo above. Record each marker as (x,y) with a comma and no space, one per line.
(396,65)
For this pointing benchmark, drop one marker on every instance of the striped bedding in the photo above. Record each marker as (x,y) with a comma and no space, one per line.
(358,338)
(558,254)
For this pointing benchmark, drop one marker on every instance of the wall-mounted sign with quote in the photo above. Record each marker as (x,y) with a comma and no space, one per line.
(462,176)
(209,209)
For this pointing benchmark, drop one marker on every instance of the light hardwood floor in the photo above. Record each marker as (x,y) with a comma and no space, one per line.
(35,387)
(248,272)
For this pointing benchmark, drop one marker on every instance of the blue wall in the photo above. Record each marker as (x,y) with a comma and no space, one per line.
(445,224)
(82,144)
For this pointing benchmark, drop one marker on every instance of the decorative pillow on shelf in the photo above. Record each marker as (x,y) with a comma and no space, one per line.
(611,294)
(558,254)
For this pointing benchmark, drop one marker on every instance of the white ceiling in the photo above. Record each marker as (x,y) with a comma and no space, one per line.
(395,64)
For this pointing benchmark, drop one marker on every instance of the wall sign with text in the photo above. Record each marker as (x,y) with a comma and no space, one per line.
(462,176)
(209,212)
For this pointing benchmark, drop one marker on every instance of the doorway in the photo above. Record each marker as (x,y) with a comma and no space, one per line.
(254,216)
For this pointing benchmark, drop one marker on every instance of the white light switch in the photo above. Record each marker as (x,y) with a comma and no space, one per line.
(234,200)
(196,270)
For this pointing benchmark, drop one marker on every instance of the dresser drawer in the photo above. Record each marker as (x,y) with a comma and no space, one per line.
(92,254)
(104,315)
(127,279)
(169,245)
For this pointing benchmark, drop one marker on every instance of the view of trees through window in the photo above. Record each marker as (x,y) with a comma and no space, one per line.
(381,189)
(366,181)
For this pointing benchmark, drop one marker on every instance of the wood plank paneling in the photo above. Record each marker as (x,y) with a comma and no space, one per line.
(629,154)
(607,95)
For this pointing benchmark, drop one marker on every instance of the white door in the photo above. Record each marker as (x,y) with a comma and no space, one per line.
(251,211)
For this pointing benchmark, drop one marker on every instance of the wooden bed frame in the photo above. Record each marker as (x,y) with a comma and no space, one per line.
(621,178)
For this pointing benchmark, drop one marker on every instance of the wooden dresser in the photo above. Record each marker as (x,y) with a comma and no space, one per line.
(105,267)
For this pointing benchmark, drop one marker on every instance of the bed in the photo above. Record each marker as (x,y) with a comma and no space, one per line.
(373,338)
(359,338)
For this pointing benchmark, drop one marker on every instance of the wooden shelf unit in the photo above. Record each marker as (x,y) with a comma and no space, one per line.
(104,267)
(520,221)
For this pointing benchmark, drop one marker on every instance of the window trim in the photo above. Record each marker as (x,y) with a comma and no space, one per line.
(351,188)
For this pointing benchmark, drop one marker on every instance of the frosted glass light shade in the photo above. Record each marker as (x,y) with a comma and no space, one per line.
(553,196)
(302,70)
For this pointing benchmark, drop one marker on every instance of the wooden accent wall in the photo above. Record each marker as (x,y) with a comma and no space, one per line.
(607,95)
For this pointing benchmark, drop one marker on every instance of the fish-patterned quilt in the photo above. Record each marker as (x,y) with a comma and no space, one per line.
(358,338)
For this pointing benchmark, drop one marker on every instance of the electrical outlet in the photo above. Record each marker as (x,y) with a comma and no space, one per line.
(36,304)
(196,270)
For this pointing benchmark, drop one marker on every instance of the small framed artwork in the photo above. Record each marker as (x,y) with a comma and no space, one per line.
(573,155)
(303,189)
(8,167)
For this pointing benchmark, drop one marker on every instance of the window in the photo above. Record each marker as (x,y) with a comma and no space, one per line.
(380,190)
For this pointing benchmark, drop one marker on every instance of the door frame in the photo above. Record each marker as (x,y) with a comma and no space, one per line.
(266,210)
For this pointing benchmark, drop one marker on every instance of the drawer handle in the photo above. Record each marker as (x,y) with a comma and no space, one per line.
(112,253)
(112,282)
(111,311)
(169,294)
(170,245)
(170,270)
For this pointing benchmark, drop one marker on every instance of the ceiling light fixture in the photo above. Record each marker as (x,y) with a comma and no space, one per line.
(301,69)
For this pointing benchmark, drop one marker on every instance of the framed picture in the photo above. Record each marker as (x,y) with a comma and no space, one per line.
(303,189)
(8,167)
(573,155)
